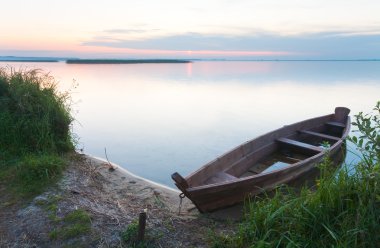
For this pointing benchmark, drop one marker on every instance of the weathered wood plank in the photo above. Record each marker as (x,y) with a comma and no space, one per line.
(180,181)
(299,144)
(341,114)
(321,135)
(335,124)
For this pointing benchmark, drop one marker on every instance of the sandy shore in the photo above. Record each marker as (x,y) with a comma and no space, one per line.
(139,186)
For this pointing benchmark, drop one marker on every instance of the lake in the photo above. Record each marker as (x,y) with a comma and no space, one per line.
(155,119)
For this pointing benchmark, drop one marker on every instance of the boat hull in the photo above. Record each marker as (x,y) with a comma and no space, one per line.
(210,196)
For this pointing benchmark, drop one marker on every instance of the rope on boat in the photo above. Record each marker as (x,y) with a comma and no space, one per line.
(181,196)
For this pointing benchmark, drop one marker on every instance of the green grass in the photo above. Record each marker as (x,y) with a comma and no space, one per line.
(130,233)
(75,230)
(35,132)
(78,216)
(343,211)
(34,117)
(73,225)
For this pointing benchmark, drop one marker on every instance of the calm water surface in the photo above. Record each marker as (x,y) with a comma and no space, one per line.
(155,119)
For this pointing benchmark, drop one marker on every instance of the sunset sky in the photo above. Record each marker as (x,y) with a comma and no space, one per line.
(258,29)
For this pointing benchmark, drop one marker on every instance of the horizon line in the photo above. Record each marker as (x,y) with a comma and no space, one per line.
(11,58)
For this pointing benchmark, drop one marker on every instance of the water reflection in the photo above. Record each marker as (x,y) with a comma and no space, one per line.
(157,119)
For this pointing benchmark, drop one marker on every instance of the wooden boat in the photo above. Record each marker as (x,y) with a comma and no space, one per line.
(265,162)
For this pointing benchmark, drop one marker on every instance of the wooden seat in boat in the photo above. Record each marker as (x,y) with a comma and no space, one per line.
(299,144)
(321,135)
(335,124)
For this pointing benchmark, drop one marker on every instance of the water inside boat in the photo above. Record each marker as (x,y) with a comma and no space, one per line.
(298,147)
(280,159)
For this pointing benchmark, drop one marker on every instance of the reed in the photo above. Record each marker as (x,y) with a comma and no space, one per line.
(34,116)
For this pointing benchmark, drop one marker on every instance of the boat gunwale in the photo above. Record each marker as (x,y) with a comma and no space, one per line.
(300,163)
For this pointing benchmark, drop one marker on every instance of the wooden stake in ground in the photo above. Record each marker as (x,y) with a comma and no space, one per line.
(142,223)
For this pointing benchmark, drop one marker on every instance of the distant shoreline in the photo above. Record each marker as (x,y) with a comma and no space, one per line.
(30,60)
(125,61)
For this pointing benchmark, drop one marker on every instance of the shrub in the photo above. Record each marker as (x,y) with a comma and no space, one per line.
(368,140)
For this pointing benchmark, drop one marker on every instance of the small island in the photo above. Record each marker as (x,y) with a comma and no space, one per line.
(126,61)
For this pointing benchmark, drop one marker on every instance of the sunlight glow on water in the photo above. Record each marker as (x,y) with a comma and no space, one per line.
(158,119)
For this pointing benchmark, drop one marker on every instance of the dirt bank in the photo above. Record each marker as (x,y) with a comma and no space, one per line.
(112,199)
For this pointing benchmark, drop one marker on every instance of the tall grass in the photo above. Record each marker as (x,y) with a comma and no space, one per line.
(35,124)
(344,210)
(34,117)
